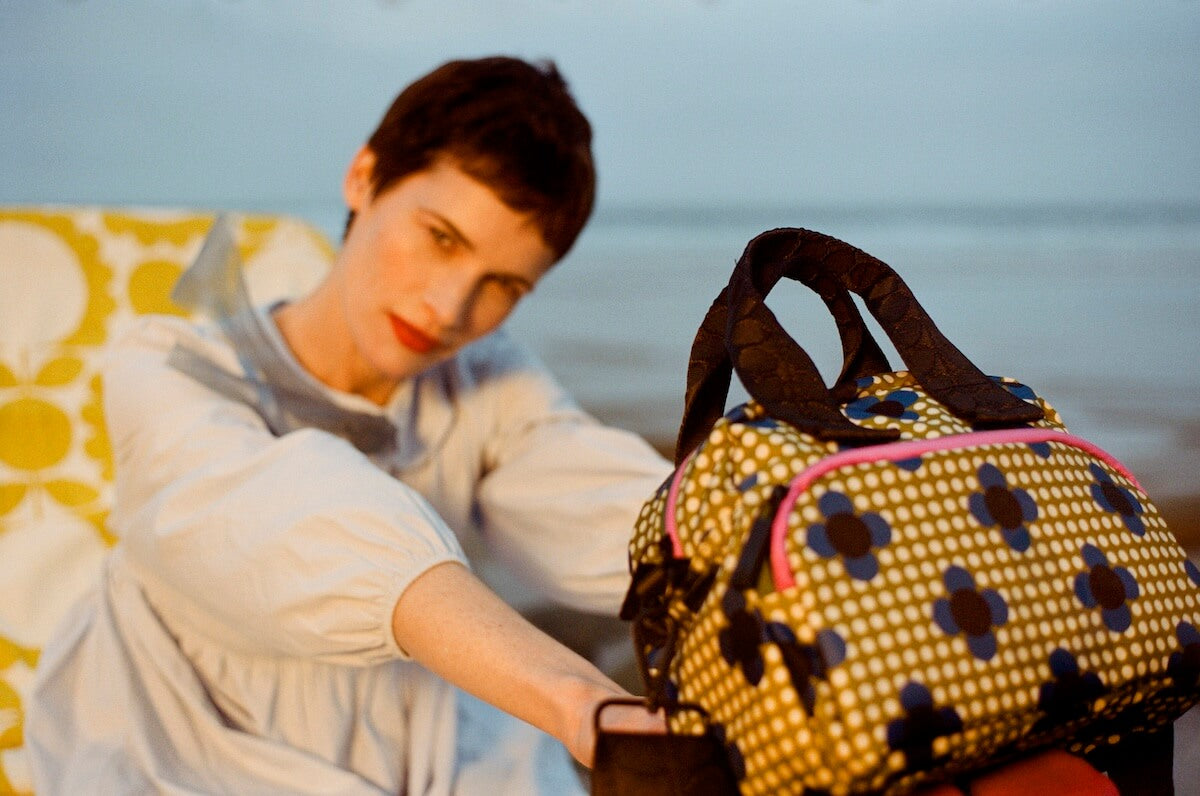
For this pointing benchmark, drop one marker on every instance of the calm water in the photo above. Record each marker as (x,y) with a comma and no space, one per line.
(1098,308)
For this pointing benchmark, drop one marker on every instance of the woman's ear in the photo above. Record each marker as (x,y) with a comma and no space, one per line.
(359,184)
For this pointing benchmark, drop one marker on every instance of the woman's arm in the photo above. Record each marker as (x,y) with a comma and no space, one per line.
(296,545)
(454,625)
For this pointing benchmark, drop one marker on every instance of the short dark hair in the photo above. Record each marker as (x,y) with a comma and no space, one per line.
(510,124)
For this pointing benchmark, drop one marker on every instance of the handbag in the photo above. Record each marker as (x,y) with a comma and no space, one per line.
(907,577)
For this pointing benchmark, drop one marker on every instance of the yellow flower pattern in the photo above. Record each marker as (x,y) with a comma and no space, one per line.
(70,278)
(150,287)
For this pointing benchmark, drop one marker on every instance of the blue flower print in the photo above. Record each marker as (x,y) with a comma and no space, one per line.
(1107,587)
(895,404)
(1021,391)
(922,724)
(1009,507)
(1117,500)
(1042,449)
(971,612)
(849,535)
(738,414)
(1192,571)
(1070,694)
(1184,665)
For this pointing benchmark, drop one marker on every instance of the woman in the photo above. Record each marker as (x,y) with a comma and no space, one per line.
(286,611)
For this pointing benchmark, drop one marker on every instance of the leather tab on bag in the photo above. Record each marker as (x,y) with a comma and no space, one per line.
(645,764)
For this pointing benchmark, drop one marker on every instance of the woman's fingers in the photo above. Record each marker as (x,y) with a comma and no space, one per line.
(632,719)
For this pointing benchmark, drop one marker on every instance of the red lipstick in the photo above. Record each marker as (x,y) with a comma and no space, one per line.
(411,337)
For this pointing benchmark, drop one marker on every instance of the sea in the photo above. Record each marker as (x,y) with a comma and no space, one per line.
(1097,307)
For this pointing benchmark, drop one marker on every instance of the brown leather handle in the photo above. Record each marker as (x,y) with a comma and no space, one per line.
(780,375)
(710,368)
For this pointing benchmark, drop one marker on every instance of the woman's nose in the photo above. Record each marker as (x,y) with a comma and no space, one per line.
(448,296)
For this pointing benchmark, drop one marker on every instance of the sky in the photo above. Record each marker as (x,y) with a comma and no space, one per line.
(260,104)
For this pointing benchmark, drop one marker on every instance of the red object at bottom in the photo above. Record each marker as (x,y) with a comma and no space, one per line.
(1054,773)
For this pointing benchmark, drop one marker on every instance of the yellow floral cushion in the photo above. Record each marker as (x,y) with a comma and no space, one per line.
(69,278)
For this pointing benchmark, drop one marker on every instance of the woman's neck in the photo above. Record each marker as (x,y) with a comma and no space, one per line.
(317,333)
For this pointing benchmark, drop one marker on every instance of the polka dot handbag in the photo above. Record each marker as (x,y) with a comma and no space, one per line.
(907,577)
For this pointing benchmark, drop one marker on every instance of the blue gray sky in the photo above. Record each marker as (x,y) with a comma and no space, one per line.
(260,103)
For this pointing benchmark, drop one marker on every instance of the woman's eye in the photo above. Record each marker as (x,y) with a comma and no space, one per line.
(441,238)
(512,289)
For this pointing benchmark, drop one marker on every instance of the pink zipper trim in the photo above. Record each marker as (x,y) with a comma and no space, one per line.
(899,451)
(672,496)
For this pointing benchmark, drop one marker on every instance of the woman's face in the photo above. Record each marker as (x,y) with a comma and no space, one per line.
(433,262)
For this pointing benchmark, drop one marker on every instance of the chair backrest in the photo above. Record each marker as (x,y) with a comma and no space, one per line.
(69,278)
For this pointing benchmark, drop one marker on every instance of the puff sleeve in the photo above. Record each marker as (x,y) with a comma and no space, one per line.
(294,545)
(560,491)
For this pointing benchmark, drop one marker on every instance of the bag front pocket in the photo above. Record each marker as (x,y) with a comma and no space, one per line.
(989,591)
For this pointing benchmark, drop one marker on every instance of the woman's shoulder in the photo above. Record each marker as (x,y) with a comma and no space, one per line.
(502,372)
(154,337)
(497,355)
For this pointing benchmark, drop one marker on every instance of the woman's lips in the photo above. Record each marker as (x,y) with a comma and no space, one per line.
(411,337)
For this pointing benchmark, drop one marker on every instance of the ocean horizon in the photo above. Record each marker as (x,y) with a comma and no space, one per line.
(1093,305)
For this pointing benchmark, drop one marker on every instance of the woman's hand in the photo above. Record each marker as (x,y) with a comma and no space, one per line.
(632,719)
(453,624)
